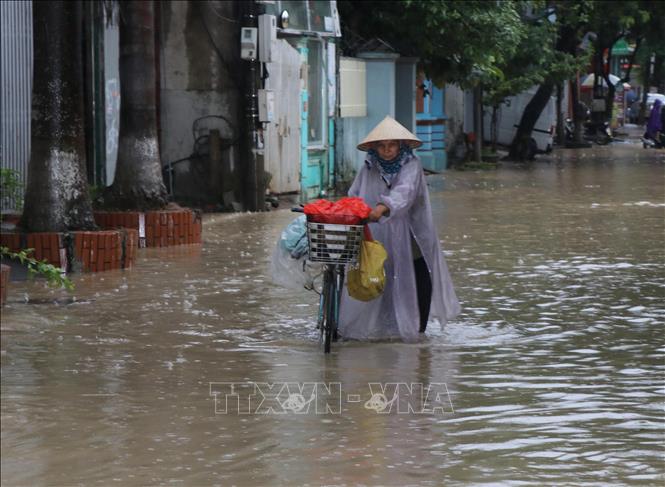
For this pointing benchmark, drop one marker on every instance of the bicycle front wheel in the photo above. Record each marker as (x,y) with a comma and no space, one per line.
(328,308)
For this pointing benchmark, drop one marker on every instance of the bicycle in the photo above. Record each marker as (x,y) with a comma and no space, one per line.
(334,245)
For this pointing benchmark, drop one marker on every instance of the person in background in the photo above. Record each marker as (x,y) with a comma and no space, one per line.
(656,124)
(418,285)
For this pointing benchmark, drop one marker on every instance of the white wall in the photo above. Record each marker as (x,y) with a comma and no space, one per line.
(454,104)
(380,97)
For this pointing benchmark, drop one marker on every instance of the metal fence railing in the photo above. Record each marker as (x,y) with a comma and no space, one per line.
(16,57)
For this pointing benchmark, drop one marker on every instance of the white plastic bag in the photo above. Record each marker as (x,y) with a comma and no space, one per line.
(294,237)
(290,272)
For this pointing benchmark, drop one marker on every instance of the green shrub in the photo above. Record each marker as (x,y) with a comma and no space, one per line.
(53,275)
(11,189)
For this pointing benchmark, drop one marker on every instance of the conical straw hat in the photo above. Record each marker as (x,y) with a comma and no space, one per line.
(389,129)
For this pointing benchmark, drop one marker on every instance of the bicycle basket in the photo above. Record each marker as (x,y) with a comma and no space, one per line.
(334,244)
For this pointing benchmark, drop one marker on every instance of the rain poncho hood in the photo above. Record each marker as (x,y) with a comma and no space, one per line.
(395,313)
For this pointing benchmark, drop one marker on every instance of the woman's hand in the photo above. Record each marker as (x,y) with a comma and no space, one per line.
(379,211)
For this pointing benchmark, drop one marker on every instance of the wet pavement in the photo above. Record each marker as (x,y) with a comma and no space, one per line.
(552,375)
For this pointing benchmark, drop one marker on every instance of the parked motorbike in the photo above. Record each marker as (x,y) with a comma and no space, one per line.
(598,132)
(601,133)
(653,143)
(569,129)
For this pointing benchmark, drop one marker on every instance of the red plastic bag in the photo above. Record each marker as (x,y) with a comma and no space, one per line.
(348,211)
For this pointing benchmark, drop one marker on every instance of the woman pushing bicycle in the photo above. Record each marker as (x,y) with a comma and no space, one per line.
(418,285)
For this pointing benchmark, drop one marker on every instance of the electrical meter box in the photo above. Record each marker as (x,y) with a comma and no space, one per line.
(267,38)
(266,106)
(248,43)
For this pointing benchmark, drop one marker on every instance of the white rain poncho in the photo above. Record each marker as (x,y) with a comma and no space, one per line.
(395,313)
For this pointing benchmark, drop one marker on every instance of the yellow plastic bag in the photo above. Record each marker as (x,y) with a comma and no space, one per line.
(366,282)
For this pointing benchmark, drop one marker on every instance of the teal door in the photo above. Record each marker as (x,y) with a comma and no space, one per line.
(314,146)
(431,125)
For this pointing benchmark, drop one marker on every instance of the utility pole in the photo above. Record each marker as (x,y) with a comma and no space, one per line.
(253,172)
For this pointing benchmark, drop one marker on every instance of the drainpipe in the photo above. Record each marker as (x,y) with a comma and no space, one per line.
(254,179)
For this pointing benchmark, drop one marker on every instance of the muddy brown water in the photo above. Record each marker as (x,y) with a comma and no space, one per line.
(552,375)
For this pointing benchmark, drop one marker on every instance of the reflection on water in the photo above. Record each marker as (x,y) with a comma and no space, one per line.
(554,371)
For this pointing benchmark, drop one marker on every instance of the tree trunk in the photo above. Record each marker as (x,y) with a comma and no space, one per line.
(609,102)
(647,84)
(579,115)
(611,89)
(138,183)
(57,197)
(560,135)
(521,148)
(495,108)
(478,123)
(643,106)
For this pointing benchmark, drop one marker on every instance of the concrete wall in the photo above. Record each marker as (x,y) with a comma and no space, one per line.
(380,86)
(405,92)
(351,130)
(454,104)
(199,78)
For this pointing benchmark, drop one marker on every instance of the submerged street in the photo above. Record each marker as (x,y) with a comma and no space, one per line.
(553,372)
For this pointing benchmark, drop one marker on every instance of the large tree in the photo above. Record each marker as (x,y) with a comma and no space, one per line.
(138,182)
(456,42)
(528,65)
(631,20)
(492,44)
(57,197)
(609,21)
(562,62)
(465,43)
(649,53)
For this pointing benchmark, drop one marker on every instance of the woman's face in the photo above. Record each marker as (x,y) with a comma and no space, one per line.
(387,149)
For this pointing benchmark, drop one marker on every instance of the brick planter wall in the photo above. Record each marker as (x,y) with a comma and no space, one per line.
(48,246)
(79,251)
(131,237)
(11,240)
(4,282)
(156,228)
(98,251)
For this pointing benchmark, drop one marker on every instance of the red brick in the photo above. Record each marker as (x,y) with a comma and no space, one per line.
(54,258)
(11,240)
(101,253)
(4,282)
(85,254)
(78,245)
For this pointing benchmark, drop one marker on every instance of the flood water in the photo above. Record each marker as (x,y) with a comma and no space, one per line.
(552,375)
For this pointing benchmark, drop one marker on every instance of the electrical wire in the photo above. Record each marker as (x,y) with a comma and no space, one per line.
(214,10)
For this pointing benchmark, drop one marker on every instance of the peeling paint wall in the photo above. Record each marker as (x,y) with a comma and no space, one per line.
(200,91)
